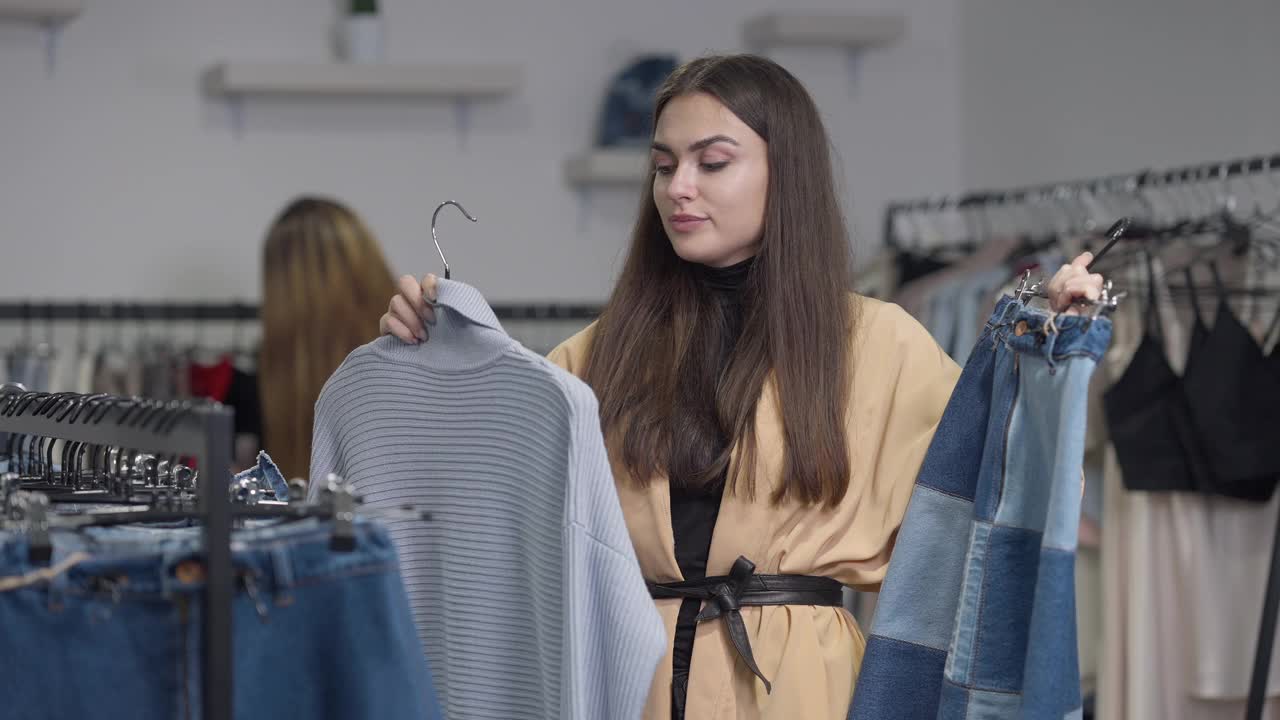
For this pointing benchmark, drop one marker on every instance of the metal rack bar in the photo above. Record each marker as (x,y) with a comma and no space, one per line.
(1125,182)
(54,310)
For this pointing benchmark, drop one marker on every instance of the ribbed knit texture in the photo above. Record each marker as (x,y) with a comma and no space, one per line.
(525,587)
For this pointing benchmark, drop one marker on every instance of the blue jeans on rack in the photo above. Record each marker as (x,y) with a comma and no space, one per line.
(267,476)
(111,628)
(976,617)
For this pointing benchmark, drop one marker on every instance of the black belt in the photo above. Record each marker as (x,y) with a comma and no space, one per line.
(743,587)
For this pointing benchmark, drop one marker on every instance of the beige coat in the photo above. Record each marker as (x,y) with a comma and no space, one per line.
(902,381)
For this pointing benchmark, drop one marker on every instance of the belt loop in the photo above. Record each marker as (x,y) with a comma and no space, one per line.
(282,569)
(1051,331)
(997,327)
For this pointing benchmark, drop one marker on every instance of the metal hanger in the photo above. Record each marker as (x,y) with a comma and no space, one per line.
(436,240)
(1106,302)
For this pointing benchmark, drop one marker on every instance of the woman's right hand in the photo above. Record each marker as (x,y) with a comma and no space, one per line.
(410,311)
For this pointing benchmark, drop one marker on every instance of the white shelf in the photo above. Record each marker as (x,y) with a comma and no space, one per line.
(270,78)
(40,10)
(853,31)
(608,166)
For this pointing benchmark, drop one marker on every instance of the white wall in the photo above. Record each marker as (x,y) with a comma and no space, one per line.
(1061,90)
(121,180)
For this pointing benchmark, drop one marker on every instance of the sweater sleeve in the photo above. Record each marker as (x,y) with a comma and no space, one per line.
(616,636)
(325,450)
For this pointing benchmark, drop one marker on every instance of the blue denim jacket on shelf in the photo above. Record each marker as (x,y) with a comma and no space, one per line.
(976,616)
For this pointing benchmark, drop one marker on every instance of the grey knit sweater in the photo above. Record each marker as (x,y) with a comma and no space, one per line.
(525,588)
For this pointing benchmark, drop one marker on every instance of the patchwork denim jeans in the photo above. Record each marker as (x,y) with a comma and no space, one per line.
(976,616)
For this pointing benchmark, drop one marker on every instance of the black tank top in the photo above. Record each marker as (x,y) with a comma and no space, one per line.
(1234,395)
(1149,418)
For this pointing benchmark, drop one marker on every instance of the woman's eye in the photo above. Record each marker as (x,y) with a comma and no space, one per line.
(713,167)
(663,169)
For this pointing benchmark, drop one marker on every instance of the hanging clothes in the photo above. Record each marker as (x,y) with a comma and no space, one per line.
(212,381)
(29,365)
(810,654)
(976,614)
(1148,416)
(117,612)
(1167,561)
(1234,399)
(526,592)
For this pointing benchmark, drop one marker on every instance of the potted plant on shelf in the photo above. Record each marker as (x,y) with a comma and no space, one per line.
(362,33)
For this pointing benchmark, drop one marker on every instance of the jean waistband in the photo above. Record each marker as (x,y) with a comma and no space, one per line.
(276,559)
(1053,336)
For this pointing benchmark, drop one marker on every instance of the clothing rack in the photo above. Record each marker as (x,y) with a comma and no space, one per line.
(202,430)
(1125,183)
(1131,184)
(87,311)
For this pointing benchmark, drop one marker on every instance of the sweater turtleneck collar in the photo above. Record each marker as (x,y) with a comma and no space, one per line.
(728,280)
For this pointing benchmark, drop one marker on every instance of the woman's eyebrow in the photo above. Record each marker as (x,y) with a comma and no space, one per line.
(699,145)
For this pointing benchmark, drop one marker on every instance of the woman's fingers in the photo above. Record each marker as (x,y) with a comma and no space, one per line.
(411,291)
(393,326)
(1073,282)
(408,318)
(429,287)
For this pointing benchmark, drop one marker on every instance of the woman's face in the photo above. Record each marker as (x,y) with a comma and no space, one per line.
(712,175)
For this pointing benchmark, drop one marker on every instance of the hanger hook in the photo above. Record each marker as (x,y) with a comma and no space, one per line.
(436,240)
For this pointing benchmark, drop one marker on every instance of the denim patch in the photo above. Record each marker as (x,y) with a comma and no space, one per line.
(1049,496)
(951,463)
(960,658)
(1007,593)
(986,705)
(953,702)
(902,611)
(905,687)
(992,474)
(1048,692)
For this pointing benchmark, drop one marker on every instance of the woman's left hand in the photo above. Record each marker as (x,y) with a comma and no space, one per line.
(1073,282)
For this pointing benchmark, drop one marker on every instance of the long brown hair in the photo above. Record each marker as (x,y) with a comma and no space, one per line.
(659,330)
(325,283)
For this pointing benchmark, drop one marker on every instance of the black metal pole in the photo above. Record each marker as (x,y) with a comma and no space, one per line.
(30,312)
(1266,636)
(215,469)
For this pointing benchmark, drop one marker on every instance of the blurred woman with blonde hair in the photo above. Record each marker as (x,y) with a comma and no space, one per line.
(325,283)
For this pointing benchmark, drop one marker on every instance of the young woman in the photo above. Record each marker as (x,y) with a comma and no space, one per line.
(324,280)
(752,404)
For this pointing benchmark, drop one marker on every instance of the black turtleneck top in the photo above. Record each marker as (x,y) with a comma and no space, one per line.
(694,511)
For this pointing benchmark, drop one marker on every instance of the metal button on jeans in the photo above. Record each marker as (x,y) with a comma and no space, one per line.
(189,571)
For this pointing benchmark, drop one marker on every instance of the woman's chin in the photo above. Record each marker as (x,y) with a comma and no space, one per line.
(698,250)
